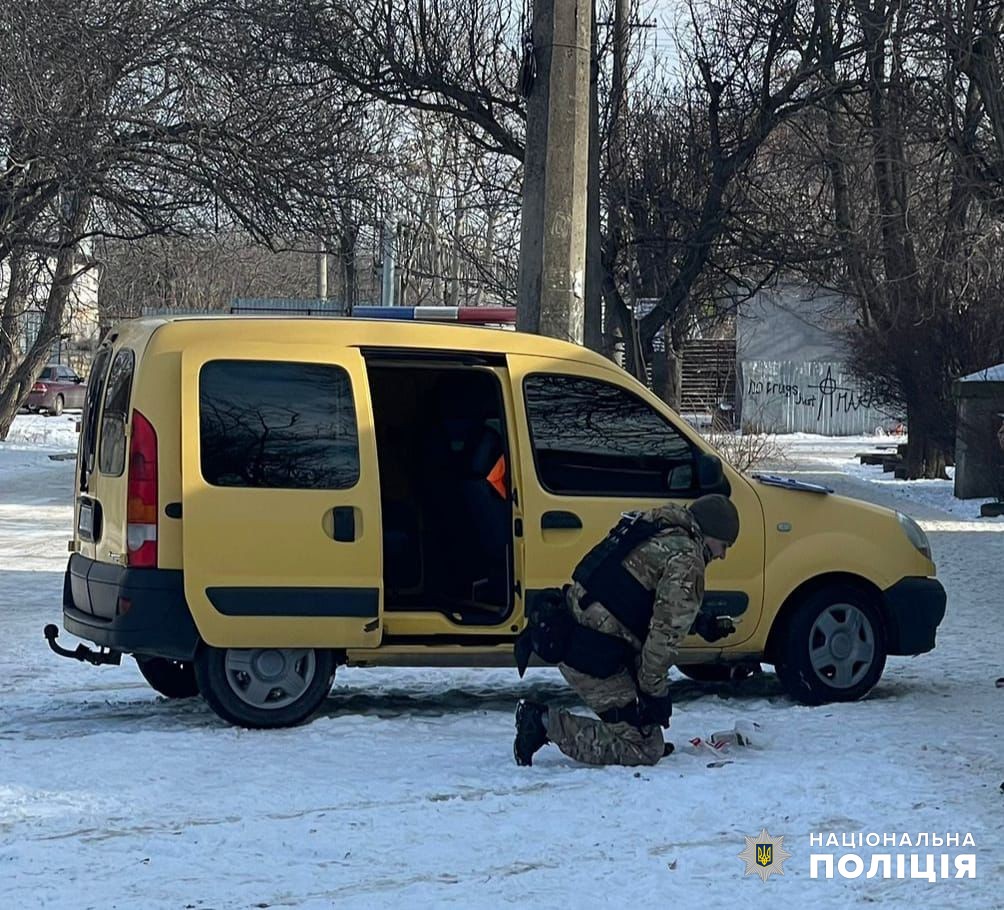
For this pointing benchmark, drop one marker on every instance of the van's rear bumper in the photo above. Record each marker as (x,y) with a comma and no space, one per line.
(139,611)
(914,609)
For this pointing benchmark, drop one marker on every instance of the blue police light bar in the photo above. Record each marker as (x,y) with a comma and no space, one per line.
(471,315)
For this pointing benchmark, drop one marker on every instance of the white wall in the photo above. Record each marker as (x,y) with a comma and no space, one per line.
(793,323)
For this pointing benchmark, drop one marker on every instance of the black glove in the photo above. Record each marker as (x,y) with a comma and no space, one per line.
(655,709)
(711,628)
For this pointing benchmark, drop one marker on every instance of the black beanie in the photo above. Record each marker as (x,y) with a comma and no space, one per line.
(717,517)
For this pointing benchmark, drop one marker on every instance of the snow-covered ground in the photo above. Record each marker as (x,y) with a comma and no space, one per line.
(822,454)
(403,792)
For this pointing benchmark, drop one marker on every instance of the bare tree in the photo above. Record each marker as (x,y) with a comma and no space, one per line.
(914,214)
(452,179)
(128,118)
(750,68)
(689,231)
(197,274)
(453,57)
(456,212)
(974,40)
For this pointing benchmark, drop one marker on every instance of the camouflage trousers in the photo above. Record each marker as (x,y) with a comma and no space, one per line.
(593,742)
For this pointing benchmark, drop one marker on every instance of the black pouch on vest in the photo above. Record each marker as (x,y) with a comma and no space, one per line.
(553,633)
(551,625)
(596,653)
(549,628)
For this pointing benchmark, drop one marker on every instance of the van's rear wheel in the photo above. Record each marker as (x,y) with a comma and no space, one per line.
(171,678)
(264,687)
(834,647)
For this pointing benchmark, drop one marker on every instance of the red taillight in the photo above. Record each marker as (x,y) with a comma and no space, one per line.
(40,387)
(141,512)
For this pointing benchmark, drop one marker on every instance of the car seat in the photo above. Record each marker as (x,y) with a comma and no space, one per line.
(490,514)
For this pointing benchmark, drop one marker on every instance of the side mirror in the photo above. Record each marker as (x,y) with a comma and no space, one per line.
(710,476)
(77,380)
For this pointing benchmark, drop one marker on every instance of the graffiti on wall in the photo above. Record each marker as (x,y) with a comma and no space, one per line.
(827,396)
(789,397)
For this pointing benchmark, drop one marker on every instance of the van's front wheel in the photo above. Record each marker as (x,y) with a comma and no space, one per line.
(834,647)
(264,687)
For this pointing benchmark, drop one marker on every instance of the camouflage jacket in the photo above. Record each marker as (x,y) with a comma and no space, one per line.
(672,565)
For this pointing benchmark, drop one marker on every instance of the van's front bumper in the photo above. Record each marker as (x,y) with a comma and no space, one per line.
(138,611)
(914,607)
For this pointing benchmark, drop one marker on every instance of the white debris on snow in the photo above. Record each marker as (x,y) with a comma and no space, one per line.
(403,792)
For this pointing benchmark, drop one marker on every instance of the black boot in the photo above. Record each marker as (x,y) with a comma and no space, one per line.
(531,733)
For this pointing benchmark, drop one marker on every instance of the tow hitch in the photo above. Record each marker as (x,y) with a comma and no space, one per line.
(82,652)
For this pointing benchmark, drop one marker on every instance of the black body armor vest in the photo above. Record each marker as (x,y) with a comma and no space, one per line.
(552,631)
(606,580)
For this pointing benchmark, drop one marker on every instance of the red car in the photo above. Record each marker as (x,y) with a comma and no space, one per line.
(58,387)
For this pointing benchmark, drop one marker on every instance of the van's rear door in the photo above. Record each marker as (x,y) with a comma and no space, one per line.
(281,497)
(87,518)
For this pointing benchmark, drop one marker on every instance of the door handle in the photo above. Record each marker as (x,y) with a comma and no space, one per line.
(344,518)
(551,520)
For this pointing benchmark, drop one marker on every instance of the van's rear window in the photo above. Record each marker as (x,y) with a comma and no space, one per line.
(277,424)
(91,414)
(115,414)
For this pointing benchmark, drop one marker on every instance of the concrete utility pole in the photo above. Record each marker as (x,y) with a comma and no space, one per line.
(552,263)
(593,329)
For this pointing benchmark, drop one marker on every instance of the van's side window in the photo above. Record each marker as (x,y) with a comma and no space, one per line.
(112,450)
(271,424)
(89,418)
(593,438)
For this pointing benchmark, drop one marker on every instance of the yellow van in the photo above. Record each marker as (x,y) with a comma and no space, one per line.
(260,500)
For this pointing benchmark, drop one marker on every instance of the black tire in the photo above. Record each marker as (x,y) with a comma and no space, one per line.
(57,407)
(839,658)
(706,672)
(171,678)
(230,680)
